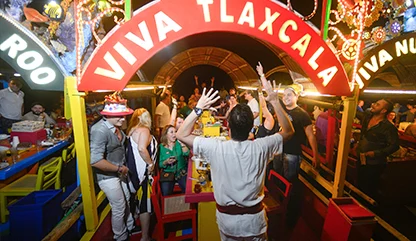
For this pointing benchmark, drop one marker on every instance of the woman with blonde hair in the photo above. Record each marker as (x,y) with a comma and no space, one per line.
(141,156)
(172,161)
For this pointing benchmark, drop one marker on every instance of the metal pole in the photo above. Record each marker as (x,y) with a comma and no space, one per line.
(336,106)
(127,10)
(326,11)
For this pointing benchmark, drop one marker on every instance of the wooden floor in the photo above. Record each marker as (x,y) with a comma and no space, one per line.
(301,232)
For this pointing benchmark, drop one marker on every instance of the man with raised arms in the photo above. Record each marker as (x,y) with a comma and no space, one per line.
(238,166)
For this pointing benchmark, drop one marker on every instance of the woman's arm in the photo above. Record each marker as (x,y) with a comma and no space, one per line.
(142,138)
(174,112)
(269,120)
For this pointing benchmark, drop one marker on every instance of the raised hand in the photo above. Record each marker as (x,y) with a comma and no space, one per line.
(174,102)
(207,99)
(259,69)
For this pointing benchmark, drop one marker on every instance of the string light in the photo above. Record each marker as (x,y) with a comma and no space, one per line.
(408,92)
(315,7)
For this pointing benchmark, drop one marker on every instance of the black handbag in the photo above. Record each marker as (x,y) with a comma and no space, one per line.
(167,176)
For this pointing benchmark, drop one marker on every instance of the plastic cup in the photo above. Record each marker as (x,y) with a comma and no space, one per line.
(38,145)
(16,141)
(15,154)
(197,162)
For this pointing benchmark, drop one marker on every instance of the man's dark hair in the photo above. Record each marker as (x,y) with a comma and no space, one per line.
(270,108)
(164,96)
(36,103)
(17,82)
(252,93)
(389,106)
(240,122)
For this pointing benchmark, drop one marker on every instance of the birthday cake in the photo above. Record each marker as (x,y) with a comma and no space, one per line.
(115,107)
(115,104)
(27,126)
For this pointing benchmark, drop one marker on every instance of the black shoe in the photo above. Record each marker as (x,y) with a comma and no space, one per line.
(135,230)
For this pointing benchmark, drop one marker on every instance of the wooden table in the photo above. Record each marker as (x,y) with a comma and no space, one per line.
(207,224)
(28,158)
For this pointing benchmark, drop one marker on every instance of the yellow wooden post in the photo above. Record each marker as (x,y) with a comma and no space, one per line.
(79,123)
(350,107)
(67,106)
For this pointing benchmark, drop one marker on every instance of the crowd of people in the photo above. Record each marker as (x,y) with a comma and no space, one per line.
(265,133)
(173,123)
(255,146)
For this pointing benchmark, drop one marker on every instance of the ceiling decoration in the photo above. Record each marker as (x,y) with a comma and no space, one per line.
(236,67)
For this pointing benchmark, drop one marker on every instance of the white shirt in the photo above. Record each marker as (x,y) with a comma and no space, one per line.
(163,110)
(32,117)
(11,104)
(254,106)
(238,172)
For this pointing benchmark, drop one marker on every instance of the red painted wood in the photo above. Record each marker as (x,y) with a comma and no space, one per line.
(158,24)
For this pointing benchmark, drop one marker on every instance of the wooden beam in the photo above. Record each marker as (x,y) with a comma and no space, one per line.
(82,146)
(308,169)
(350,106)
(352,187)
(64,225)
(67,203)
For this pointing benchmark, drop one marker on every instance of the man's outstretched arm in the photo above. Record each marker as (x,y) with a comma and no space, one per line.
(184,133)
(273,98)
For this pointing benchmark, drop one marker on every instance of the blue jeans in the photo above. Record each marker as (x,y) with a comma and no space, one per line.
(288,165)
(167,187)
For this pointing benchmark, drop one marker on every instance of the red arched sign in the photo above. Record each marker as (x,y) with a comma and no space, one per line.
(158,24)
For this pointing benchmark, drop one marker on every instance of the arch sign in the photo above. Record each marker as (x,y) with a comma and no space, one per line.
(22,50)
(158,24)
(384,56)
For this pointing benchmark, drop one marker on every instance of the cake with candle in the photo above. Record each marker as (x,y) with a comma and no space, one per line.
(115,105)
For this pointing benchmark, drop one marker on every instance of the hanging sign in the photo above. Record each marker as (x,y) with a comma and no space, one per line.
(384,56)
(29,57)
(159,24)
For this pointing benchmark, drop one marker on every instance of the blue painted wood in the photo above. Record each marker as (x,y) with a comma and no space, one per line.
(27,162)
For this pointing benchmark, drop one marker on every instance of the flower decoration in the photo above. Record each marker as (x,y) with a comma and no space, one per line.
(349,49)
(54,11)
(378,35)
(352,14)
(394,27)
(366,35)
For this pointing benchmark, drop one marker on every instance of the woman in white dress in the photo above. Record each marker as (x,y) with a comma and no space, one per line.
(141,156)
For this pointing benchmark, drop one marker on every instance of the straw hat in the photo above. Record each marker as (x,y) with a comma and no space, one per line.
(115,105)
(296,88)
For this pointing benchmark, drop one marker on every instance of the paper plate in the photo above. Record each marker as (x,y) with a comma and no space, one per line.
(3,165)
(4,136)
(4,148)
